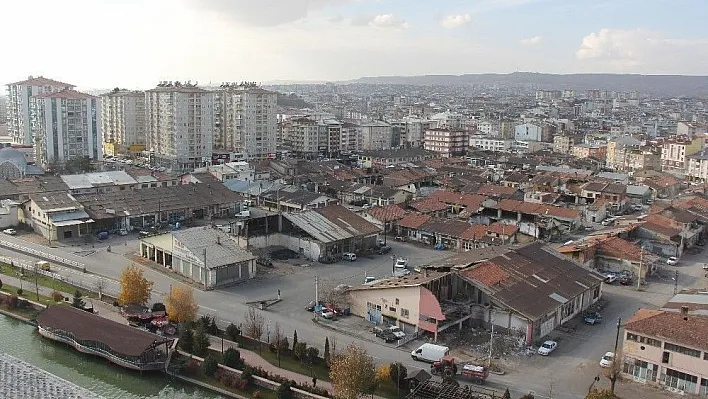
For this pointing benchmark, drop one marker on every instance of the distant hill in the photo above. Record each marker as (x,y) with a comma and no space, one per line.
(665,85)
(292,100)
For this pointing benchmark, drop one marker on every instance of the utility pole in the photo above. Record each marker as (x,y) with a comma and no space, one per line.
(491,345)
(36,278)
(676,283)
(641,259)
(206,271)
(613,380)
(317,295)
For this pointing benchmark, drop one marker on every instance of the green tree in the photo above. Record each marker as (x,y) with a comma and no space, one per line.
(294,339)
(232,332)
(284,391)
(77,301)
(201,342)
(311,355)
(210,365)
(299,351)
(186,340)
(398,373)
(231,358)
(326,351)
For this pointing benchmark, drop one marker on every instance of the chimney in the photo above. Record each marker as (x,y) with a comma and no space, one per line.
(684,312)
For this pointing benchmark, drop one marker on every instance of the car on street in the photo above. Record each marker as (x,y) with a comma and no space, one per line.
(592,318)
(705,266)
(607,360)
(349,256)
(385,334)
(395,330)
(327,314)
(10,232)
(547,347)
(610,278)
(672,261)
(384,249)
(401,263)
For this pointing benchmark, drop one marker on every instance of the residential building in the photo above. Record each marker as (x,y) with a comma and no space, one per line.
(589,151)
(528,132)
(246,120)
(446,141)
(351,137)
(642,159)
(56,216)
(698,167)
(447,119)
(20,104)
(486,128)
(617,149)
(490,143)
(302,136)
(667,349)
(67,126)
(675,151)
(376,135)
(330,137)
(3,110)
(180,125)
(412,130)
(123,122)
(563,144)
(690,128)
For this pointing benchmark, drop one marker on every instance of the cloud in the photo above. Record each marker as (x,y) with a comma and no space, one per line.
(456,21)
(381,21)
(531,41)
(264,12)
(641,50)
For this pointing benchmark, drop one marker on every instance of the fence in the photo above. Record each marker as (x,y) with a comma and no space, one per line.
(43,255)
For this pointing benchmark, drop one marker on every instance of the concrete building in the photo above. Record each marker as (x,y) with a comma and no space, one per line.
(205,255)
(56,216)
(377,135)
(698,167)
(20,104)
(351,137)
(638,159)
(667,349)
(3,110)
(447,119)
(246,120)
(302,136)
(123,122)
(563,144)
(67,126)
(674,153)
(690,129)
(589,151)
(490,143)
(446,141)
(412,130)
(528,132)
(180,125)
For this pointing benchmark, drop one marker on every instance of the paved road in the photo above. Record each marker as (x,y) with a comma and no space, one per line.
(564,375)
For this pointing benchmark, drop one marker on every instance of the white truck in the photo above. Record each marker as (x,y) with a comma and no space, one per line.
(430,353)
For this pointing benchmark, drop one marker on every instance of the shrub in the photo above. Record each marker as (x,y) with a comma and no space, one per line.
(231,358)
(210,365)
(256,395)
(299,350)
(247,374)
(158,307)
(0,284)
(191,368)
(186,340)
(12,302)
(57,296)
(232,332)
(284,391)
(19,291)
(201,342)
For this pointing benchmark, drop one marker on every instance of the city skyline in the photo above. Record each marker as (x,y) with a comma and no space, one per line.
(135,45)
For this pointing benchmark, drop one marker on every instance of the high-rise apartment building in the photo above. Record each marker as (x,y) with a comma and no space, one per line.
(20,103)
(3,110)
(123,122)
(66,125)
(246,119)
(180,125)
(446,141)
(376,135)
(302,135)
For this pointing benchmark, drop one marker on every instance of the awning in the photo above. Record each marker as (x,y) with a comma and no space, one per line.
(72,222)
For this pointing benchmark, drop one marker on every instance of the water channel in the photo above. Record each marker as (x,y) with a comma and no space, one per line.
(95,374)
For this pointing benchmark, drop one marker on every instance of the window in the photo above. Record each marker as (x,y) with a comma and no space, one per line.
(650,341)
(682,349)
(392,309)
(404,313)
(396,301)
(665,357)
(632,337)
(679,380)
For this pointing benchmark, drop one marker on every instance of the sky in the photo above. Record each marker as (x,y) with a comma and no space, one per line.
(137,43)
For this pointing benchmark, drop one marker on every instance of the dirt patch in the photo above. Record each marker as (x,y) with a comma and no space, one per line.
(474,344)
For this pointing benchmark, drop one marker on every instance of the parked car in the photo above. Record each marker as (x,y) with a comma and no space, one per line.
(10,232)
(638,207)
(395,330)
(592,318)
(672,261)
(607,360)
(626,280)
(349,256)
(311,306)
(610,278)
(401,263)
(705,266)
(327,314)
(384,334)
(547,347)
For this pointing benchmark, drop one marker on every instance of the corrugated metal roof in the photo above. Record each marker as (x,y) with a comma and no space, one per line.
(61,217)
(76,181)
(221,250)
(318,226)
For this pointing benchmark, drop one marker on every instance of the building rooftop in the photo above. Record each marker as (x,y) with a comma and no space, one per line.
(40,81)
(221,250)
(68,94)
(682,329)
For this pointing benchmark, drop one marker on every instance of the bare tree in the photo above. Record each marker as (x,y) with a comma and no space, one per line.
(334,295)
(614,372)
(278,336)
(100,286)
(253,325)
(333,344)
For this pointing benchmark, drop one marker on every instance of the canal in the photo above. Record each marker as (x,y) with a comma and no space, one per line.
(95,374)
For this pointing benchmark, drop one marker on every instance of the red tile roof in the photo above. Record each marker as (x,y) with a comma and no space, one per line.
(671,326)
(387,213)
(487,273)
(616,247)
(41,81)
(501,191)
(537,209)
(428,205)
(414,220)
(474,232)
(503,229)
(453,198)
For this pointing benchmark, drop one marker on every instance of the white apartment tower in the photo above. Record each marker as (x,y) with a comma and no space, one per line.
(66,125)
(20,103)
(246,119)
(123,121)
(180,125)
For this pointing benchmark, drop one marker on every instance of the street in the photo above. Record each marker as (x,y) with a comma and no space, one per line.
(566,373)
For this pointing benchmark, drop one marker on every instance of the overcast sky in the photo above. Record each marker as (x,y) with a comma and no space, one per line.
(135,43)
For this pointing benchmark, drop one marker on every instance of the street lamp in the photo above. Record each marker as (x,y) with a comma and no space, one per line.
(393,265)
(613,380)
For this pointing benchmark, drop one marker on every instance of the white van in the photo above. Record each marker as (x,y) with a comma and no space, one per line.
(430,353)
